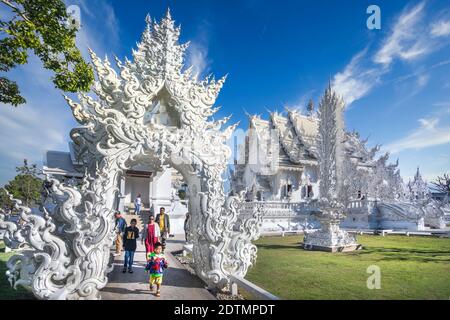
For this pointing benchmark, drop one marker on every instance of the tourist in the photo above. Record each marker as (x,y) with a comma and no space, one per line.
(129,244)
(187,221)
(156,263)
(162,219)
(150,235)
(152,210)
(137,204)
(120,228)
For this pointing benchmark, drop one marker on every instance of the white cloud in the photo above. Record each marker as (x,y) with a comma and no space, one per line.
(440,28)
(422,80)
(429,124)
(407,40)
(404,42)
(197,56)
(420,72)
(197,52)
(418,49)
(356,80)
(410,88)
(83,5)
(430,132)
(301,103)
(445,104)
(99,28)
(27,131)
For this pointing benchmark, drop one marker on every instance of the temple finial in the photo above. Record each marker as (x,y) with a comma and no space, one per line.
(168,15)
(148,21)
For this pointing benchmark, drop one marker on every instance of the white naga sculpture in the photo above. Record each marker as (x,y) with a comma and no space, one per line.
(331,167)
(151,112)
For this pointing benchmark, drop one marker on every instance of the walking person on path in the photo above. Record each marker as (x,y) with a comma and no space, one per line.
(129,244)
(162,219)
(150,235)
(156,263)
(121,224)
(137,204)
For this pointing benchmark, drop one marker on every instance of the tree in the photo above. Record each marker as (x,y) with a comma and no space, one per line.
(5,201)
(27,185)
(310,107)
(41,26)
(442,184)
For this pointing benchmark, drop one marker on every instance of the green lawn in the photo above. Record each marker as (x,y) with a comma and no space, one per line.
(6,292)
(411,268)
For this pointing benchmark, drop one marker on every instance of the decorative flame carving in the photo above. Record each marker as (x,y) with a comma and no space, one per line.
(69,251)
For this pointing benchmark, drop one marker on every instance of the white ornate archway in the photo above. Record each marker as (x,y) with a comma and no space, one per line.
(150,111)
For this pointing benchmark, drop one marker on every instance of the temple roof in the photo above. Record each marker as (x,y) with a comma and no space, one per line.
(297,136)
(298,139)
(357,149)
(60,163)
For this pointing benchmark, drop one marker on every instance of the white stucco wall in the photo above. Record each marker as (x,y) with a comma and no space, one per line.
(134,186)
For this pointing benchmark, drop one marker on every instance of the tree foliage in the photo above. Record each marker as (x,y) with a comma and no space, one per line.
(26,186)
(5,201)
(310,107)
(442,184)
(41,26)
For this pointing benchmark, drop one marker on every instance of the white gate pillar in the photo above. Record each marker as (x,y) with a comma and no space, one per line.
(69,247)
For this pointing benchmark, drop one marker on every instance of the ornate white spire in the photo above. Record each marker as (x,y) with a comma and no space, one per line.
(331,134)
(157,66)
(418,176)
(114,136)
(418,188)
(159,52)
(332,194)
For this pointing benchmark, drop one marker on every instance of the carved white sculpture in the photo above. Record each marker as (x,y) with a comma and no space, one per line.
(152,112)
(331,170)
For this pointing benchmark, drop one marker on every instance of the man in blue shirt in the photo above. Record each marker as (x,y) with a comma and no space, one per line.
(121,224)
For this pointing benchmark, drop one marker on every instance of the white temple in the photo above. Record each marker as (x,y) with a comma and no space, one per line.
(278,165)
(295,179)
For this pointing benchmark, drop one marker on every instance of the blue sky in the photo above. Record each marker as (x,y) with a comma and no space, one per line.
(278,54)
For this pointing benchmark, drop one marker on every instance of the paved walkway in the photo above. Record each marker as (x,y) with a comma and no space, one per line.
(178,283)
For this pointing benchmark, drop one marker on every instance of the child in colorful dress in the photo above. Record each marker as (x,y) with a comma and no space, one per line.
(156,263)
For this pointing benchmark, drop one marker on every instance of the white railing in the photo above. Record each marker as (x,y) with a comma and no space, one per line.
(361,204)
(278,208)
(253,289)
(357,204)
(292,209)
(236,282)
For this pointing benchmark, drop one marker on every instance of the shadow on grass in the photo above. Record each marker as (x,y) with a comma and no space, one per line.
(279,246)
(388,254)
(408,254)
(6,291)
